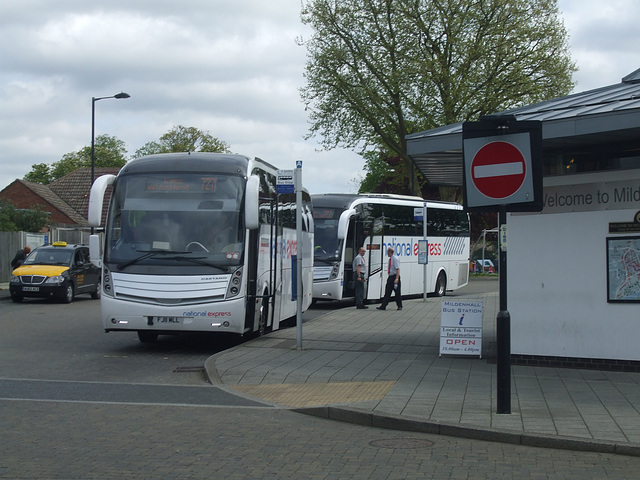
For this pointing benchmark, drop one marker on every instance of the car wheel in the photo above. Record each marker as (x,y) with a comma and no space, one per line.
(98,291)
(68,293)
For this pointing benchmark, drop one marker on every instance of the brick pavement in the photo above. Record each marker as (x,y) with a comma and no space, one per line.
(86,441)
(563,408)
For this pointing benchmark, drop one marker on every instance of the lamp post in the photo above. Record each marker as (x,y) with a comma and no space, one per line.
(93,127)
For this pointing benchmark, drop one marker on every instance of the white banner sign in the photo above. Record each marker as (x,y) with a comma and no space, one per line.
(618,195)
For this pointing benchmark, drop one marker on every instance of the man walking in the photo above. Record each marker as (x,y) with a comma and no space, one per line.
(393,282)
(360,275)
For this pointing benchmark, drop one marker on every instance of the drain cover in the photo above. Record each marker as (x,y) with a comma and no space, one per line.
(188,370)
(401,443)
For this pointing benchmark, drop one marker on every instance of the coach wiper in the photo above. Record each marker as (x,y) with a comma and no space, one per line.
(327,258)
(148,254)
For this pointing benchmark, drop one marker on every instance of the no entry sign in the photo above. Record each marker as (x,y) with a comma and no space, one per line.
(498,170)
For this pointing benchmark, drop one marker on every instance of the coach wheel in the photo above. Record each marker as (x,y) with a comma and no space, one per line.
(264,316)
(441,285)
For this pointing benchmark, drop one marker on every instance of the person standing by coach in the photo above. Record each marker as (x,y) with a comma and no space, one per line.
(360,273)
(393,282)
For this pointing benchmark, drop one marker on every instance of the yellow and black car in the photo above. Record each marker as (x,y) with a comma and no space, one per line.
(60,271)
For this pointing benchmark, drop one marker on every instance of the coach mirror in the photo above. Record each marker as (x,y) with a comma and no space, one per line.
(251,199)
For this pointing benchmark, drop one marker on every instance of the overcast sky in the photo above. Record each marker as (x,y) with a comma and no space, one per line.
(230,68)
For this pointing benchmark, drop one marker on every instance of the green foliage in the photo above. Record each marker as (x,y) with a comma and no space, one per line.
(40,173)
(385,175)
(184,139)
(13,219)
(108,152)
(378,70)
(111,152)
(7,215)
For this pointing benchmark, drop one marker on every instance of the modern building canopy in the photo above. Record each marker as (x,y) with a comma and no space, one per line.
(601,117)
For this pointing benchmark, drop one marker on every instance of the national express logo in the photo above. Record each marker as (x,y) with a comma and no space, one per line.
(450,246)
(194,314)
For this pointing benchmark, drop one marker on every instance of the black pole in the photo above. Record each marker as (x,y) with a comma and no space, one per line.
(503,327)
(93,146)
(93,140)
(117,96)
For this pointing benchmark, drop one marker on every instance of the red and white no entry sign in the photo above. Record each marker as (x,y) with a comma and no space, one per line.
(498,170)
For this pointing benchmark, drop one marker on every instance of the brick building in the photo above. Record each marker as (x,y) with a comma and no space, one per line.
(66,199)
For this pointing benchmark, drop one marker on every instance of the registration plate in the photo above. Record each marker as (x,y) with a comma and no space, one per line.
(174,320)
(30,289)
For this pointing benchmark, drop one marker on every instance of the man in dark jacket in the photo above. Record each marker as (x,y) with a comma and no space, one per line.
(20,257)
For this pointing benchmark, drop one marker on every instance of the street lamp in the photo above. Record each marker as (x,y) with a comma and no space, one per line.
(93,127)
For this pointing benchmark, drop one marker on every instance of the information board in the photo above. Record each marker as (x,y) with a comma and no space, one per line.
(461,327)
(285,182)
(423,252)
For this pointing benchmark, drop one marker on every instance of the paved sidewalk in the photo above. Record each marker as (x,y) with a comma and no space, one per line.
(382,368)
(4,291)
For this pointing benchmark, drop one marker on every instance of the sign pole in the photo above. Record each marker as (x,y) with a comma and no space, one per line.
(299,247)
(503,326)
(503,171)
(424,235)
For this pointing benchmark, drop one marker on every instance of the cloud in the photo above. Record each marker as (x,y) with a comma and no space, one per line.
(604,39)
(230,68)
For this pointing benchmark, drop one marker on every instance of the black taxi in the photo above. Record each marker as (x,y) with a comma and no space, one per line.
(60,271)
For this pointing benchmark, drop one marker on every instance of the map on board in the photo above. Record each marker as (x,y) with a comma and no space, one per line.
(624,269)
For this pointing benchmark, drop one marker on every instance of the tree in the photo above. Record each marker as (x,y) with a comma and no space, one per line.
(111,152)
(40,173)
(28,220)
(108,152)
(385,174)
(184,139)
(378,70)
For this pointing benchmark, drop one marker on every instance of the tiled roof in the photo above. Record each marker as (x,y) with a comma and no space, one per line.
(69,194)
(74,188)
(44,192)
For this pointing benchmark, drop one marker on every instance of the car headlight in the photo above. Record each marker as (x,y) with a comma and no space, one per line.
(56,279)
(14,279)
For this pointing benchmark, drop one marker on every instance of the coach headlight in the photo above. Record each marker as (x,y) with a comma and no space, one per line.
(334,271)
(107,284)
(234,283)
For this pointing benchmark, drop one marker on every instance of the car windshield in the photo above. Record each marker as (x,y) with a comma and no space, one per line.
(183,221)
(49,256)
